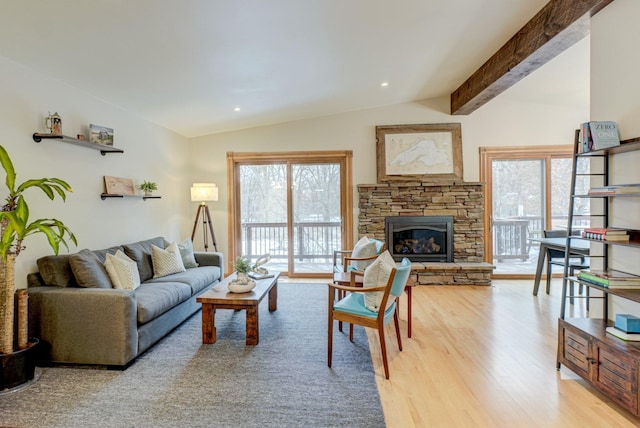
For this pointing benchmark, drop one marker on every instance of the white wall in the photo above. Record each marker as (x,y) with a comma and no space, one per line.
(615,90)
(502,122)
(150,153)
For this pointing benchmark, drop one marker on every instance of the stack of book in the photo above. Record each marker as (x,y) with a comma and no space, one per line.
(626,327)
(598,135)
(606,233)
(610,278)
(619,189)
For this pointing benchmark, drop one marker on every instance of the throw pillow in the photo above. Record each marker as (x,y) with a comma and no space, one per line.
(186,252)
(167,261)
(377,275)
(89,270)
(122,271)
(140,252)
(363,248)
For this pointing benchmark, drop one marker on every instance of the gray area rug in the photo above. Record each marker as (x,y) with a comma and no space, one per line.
(283,381)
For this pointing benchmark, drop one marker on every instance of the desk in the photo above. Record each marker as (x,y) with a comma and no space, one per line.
(578,247)
(344,278)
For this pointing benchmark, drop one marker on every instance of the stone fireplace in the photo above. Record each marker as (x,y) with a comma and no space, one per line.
(463,202)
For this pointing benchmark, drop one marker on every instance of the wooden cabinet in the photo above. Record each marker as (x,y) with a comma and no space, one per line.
(610,364)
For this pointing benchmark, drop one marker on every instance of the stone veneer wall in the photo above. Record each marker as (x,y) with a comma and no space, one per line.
(463,201)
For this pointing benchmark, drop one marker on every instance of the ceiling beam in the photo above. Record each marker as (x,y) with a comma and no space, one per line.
(557,26)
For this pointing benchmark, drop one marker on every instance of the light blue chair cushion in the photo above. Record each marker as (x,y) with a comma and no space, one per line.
(354,304)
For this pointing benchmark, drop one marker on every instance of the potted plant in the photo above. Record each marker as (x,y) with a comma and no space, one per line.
(147,187)
(14,228)
(242,267)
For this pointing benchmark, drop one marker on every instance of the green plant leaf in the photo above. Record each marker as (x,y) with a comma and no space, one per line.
(15,223)
(7,165)
(61,183)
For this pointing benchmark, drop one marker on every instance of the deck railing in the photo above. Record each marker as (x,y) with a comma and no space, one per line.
(512,237)
(312,241)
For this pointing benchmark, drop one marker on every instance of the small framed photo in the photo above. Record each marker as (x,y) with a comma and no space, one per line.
(419,152)
(100,135)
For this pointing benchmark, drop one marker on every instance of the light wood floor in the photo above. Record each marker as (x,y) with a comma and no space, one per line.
(485,357)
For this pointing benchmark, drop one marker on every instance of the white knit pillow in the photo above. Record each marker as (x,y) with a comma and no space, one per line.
(167,261)
(377,275)
(363,248)
(123,272)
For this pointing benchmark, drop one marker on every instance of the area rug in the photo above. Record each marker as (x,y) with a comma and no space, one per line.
(283,381)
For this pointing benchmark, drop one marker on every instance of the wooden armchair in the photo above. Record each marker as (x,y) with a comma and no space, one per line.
(355,309)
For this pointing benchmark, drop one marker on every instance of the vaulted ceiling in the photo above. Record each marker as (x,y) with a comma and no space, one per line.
(187,64)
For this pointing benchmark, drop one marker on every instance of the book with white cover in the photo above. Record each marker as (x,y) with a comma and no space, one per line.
(631,337)
(604,134)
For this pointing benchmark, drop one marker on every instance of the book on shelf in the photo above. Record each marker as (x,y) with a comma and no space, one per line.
(604,134)
(586,143)
(625,189)
(606,233)
(610,278)
(602,190)
(631,337)
(618,189)
(607,230)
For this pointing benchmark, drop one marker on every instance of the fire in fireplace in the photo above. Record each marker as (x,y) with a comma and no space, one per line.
(420,238)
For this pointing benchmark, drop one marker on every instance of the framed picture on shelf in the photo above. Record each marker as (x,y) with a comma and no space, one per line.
(101,135)
(419,152)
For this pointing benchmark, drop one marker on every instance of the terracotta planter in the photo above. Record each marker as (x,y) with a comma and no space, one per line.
(18,367)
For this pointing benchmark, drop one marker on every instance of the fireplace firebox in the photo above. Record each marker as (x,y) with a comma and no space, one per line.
(420,238)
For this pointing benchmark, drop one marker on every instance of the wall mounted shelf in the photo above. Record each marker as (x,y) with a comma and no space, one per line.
(37,137)
(104,196)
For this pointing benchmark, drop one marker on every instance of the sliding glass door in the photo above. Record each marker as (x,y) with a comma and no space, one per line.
(291,207)
(527,192)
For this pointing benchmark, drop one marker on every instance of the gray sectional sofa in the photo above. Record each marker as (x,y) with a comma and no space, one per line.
(80,319)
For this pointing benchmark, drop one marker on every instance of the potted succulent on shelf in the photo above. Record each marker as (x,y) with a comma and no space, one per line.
(16,364)
(147,187)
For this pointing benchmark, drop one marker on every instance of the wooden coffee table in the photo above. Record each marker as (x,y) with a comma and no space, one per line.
(219,297)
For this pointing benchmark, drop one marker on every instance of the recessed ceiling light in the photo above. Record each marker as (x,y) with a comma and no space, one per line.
(384,84)
(236,109)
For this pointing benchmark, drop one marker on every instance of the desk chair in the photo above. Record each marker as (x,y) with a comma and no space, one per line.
(556,258)
(354,307)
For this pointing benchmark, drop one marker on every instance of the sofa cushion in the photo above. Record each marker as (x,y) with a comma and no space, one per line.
(140,252)
(123,272)
(154,299)
(196,278)
(186,251)
(88,268)
(56,271)
(166,261)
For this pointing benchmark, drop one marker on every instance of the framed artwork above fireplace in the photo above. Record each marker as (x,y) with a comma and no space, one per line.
(430,152)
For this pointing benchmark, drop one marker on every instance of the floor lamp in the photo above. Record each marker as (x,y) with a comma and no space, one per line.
(204,192)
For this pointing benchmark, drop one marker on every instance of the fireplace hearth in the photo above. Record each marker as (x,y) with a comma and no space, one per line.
(420,238)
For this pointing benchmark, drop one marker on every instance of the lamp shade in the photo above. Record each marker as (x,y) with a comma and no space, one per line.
(202,192)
